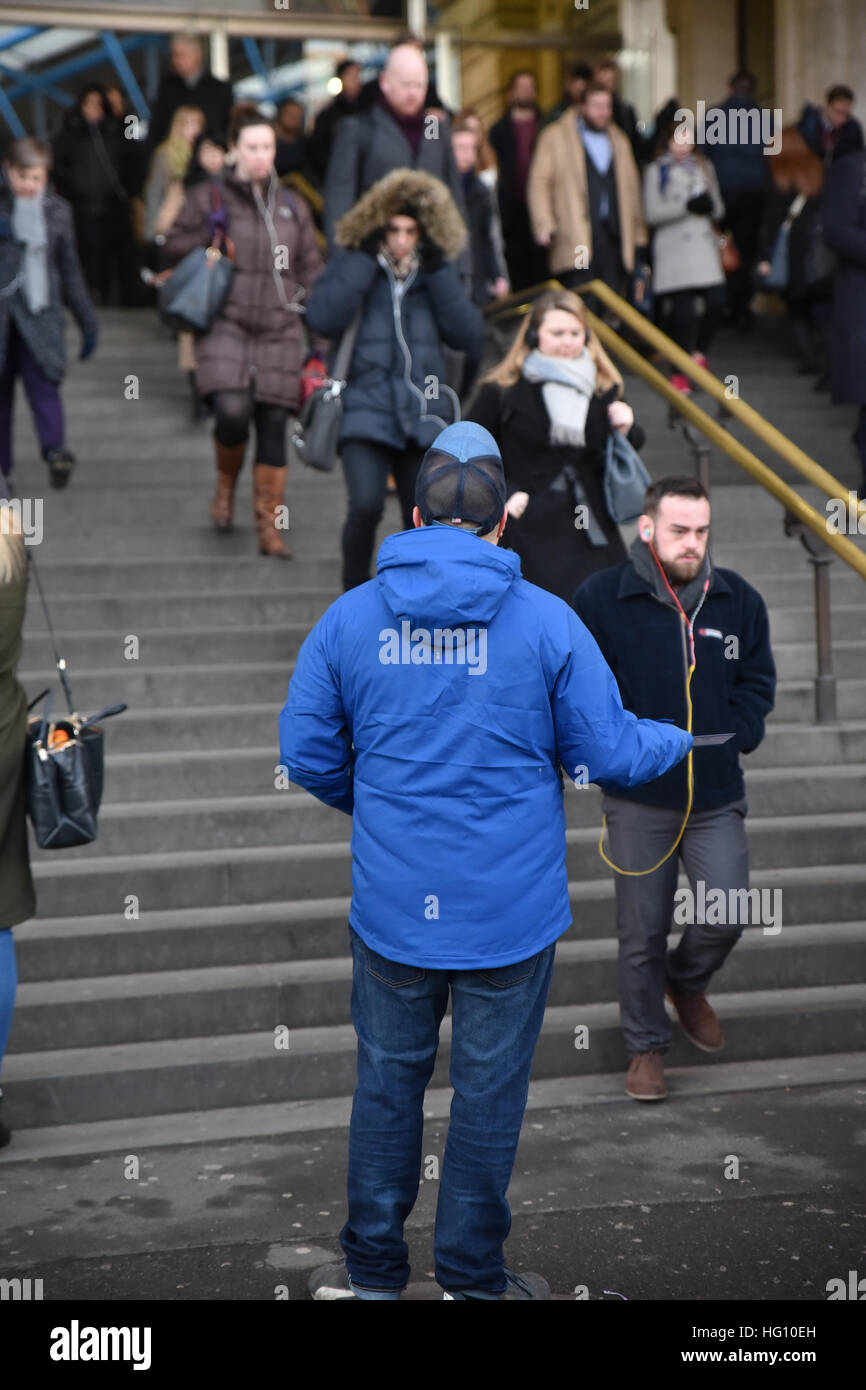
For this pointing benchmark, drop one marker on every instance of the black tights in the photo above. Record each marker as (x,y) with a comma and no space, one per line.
(235,409)
(689,331)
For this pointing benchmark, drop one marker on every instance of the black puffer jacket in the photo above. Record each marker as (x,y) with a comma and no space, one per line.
(396,380)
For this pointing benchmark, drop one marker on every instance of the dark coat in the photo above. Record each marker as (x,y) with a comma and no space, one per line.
(44,332)
(740,164)
(94,166)
(210,94)
(484,253)
(17,900)
(805,229)
(321,139)
(554,553)
(844,214)
(379,404)
(372,145)
(254,339)
(501,137)
(830,146)
(642,640)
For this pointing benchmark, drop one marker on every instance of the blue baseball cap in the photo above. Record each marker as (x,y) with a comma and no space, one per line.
(461,478)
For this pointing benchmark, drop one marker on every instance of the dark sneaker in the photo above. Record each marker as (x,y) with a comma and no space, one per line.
(645,1079)
(698,1019)
(517,1286)
(60,464)
(331,1282)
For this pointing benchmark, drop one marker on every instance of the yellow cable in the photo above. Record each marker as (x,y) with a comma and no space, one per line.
(639,873)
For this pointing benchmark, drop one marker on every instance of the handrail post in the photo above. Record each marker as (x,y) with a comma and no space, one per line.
(825,681)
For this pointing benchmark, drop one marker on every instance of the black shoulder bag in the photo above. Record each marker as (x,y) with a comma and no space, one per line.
(65,764)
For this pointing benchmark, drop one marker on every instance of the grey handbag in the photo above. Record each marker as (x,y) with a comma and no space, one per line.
(316,432)
(625,480)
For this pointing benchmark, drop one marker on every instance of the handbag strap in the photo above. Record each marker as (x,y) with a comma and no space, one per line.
(59,661)
(795,209)
(346,348)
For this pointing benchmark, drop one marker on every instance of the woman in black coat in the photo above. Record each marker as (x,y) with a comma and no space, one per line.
(844,212)
(551,405)
(94,171)
(394,268)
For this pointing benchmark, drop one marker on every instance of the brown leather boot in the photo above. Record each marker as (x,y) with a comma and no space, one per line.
(268,485)
(229,460)
(645,1079)
(698,1019)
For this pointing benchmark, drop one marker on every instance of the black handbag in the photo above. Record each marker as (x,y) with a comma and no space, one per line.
(316,432)
(65,765)
(190,296)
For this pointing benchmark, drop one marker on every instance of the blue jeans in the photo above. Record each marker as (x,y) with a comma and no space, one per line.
(8,983)
(496,1018)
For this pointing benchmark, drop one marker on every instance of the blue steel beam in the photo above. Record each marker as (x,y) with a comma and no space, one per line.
(29,82)
(45,89)
(255,60)
(7,111)
(114,49)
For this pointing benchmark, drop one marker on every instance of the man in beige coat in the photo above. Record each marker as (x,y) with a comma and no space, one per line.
(584,195)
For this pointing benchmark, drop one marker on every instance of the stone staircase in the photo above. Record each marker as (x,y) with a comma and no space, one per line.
(212,909)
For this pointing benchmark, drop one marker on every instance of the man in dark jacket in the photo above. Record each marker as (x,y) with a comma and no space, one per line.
(397,133)
(435,705)
(345,103)
(844,219)
(189,84)
(513,138)
(395,270)
(830,130)
(740,166)
(664,611)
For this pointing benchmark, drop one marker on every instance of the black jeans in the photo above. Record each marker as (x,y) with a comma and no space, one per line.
(689,330)
(743,213)
(235,409)
(366,466)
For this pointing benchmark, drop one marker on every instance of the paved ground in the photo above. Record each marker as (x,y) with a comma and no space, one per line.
(610,1198)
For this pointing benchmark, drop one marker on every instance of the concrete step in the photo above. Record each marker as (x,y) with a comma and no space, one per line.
(280,817)
(795,660)
(82,881)
(148,1006)
(82,1085)
(220,772)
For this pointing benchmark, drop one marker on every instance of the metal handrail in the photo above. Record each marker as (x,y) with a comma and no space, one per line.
(761,472)
(801,519)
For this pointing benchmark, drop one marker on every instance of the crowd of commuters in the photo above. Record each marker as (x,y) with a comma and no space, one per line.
(589,650)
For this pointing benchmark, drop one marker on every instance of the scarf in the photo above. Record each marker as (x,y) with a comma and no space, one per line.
(28,225)
(399,269)
(569,384)
(689,594)
(411,126)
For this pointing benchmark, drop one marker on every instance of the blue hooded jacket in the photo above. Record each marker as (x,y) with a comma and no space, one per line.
(435,703)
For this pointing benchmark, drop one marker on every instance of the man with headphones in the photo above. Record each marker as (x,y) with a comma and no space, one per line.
(689,643)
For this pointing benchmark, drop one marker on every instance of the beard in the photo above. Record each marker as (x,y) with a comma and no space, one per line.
(682,571)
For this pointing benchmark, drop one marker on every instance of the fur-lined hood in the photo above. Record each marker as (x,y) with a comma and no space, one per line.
(436,210)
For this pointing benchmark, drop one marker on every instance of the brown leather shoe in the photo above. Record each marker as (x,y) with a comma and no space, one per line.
(698,1019)
(268,485)
(645,1079)
(229,461)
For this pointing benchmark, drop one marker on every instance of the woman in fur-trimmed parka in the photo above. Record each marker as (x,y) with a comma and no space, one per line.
(394,267)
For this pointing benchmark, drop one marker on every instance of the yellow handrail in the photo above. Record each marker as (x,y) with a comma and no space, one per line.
(770,481)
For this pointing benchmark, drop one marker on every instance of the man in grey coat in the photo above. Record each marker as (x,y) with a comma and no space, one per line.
(396,133)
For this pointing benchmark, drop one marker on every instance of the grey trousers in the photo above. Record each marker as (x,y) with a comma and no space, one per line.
(715,855)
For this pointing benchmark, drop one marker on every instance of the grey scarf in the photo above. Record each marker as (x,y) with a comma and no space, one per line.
(28,225)
(689,594)
(569,384)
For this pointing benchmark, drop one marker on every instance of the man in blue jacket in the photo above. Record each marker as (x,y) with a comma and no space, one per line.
(665,610)
(435,703)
